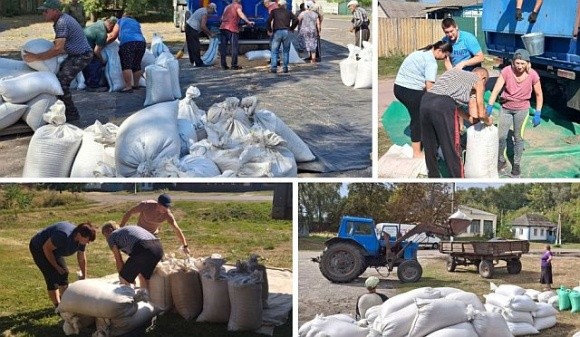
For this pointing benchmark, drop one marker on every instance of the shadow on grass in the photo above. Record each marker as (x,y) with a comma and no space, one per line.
(41,323)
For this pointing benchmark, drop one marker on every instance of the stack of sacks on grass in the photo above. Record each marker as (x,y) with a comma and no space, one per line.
(25,92)
(569,299)
(114,308)
(357,69)
(398,162)
(523,315)
(432,312)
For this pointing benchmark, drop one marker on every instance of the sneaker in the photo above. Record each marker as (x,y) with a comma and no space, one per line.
(516,170)
(236,68)
(179,54)
(225,67)
(273,71)
(501,165)
(203,65)
(519,16)
(285,70)
(533,17)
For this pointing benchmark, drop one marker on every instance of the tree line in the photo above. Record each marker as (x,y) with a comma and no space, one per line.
(320,205)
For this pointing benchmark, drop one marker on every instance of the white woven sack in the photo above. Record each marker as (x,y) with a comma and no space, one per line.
(25,87)
(402,300)
(146,136)
(367,301)
(516,316)
(148,59)
(211,53)
(395,164)
(554,301)
(523,303)
(160,287)
(498,300)
(258,55)
(545,296)
(395,325)
(372,314)
(10,64)
(14,72)
(52,151)
(167,60)
(199,166)
(246,306)
(547,322)
(37,46)
(216,301)
(73,323)
(264,161)
(119,326)
(458,330)
(348,71)
(159,87)
(447,290)
(79,82)
(436,314)
(332,326)
(544,310)
(520,329)
(10,113)
(98,298)
(186,293)
(113,70)
(36,108)
(509,290)
(269,120)
(226,157)
(481,154)
(533,293)
(157,45)
(92,152)
(189,110)
(293,56)
(467,298)
(364,75)
(490,324)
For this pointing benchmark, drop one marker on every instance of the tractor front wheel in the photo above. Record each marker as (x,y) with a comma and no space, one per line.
(342,263)
(486,268)
(409,271)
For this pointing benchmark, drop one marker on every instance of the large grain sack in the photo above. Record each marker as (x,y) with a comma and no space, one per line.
(516,316)
(216,301)
(400,301)
(364,75)
(98,298)
(448,291)
(159,87)
(10,113)
(554,301)
(6,63)
(253,55)
(490,324)
(113,70)
(520,329)
(246,302)
(36,108)
(331,326)
(148,59)
(547,322)
(186,292)
(544,310)
(348,70)
(498,300)
(508,289)
(37,46)
(160,287)
(73,323)
(25,87)
(458,330)
(467,298)
(564,299)
(97,146)
(436,314)
(395,325)
(168,61)
(545,296)
(533,293)
(523,303)
(481,155)
(210,55)
(267,156)
(270,121)
(119,326)
(53,147)
(372,314)
(146,136)
(157,45)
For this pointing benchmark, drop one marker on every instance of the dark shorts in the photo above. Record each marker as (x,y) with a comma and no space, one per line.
(143,260)
(52,278)
(131,54)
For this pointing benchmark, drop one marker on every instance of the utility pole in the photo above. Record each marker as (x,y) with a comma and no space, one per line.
(559,237)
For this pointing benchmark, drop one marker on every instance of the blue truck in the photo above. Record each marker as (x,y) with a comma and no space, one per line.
(254,10)
(559,65)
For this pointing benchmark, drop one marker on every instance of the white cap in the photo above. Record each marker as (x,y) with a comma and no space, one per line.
(281,2)
(352,2)
(212,5)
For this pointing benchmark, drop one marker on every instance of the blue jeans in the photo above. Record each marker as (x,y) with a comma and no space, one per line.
(225,37)
(280,37)
(93,73)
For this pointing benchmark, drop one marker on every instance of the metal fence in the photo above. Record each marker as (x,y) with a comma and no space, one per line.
(405,35)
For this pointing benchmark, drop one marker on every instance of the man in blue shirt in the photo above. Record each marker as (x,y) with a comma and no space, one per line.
(467,53)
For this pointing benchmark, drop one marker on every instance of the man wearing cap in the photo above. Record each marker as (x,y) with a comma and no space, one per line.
(467,53)
(152,214)
(196,24)
(143,248)
(97,36)
(280,22)
(69,39)
(370,299)
(360,23)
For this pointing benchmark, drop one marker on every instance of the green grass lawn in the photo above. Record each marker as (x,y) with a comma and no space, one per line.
(232,229)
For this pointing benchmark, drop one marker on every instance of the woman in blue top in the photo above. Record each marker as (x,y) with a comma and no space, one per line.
(51,245)
(416,75)
(131,50)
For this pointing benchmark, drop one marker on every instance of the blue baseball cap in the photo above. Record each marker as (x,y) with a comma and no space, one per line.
(164,200)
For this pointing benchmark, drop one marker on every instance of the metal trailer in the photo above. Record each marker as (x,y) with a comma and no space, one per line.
(485,255)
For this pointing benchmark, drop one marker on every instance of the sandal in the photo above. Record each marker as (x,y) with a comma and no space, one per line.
(127,90)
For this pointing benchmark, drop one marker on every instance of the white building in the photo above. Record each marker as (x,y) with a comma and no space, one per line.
(482,223)
(534,227)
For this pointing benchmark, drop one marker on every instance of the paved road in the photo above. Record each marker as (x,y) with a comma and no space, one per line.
(333,119)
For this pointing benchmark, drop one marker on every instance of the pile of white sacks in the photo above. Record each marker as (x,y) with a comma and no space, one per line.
(442,312)
(357,69)
(204,291)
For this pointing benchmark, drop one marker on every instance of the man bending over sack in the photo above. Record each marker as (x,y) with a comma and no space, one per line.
(143,248)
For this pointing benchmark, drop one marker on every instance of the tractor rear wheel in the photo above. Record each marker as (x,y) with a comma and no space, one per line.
(486,268)
(450,264)
(409,271)
(342,262)
(514,266)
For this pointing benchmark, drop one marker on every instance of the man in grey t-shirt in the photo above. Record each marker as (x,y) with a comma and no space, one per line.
(196,24)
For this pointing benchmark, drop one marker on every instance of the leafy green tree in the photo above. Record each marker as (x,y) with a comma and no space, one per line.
(16,198)
(319,205)
(367,200)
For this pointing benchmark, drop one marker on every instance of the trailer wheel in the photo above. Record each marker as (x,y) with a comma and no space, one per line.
(514,266)
(409,271)
(342,263)
(450,264)
(435,246)
(486,268)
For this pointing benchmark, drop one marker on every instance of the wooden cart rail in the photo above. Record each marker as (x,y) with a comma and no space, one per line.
(488,248)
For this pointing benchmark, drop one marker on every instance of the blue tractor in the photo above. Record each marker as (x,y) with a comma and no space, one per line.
(360,245)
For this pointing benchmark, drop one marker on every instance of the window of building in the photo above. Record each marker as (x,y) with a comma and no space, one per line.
(475,227)
(535,232)
(488,228)
(542,232)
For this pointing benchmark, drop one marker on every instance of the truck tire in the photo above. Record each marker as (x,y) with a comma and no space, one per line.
(409,271)
(450,264)
(486,268)
(514,266)
(342,262)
